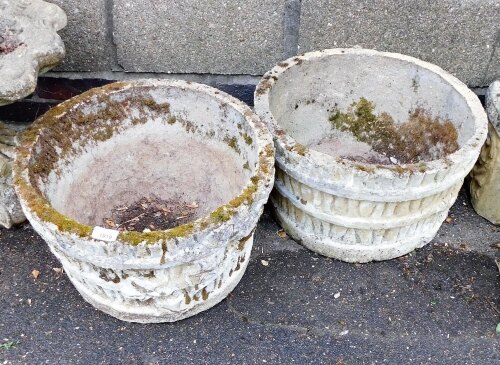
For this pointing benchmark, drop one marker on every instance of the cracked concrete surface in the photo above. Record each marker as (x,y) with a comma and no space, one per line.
(438,305)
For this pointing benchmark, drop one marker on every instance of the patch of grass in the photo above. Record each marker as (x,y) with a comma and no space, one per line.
(8,345)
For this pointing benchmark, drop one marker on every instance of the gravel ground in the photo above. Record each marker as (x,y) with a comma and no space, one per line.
(437,305)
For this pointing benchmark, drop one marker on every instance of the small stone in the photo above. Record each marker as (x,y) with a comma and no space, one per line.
(282,234)
(337,295)
(35,273)
(264,262)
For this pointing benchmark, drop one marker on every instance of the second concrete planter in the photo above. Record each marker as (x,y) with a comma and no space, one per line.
(355,210)
(114,145)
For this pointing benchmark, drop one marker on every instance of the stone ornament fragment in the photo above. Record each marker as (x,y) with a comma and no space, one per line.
(361,211)
(485,183)
(10,209)
(29,45)
(148,138)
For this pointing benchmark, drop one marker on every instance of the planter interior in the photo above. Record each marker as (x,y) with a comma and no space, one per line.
(304,97)
(157,149)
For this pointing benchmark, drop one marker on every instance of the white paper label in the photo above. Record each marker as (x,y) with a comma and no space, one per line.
(104,234)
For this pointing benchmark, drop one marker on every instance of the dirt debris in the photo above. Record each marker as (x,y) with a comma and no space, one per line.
(151,214)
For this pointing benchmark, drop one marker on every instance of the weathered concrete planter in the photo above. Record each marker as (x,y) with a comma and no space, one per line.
(350,210)
(126,140)
(485,184)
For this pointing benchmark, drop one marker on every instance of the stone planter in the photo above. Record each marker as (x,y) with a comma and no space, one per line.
(485,184)
(29,45)
(115,144)
(352,210)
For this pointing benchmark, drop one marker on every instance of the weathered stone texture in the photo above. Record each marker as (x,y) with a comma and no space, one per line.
(85,37)
(222,37)
(485,184)
(458,36)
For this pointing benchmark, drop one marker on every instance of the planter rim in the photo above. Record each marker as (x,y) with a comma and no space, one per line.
(258,185)
(291,149)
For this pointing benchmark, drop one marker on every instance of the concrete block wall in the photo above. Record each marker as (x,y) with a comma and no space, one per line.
(119,38)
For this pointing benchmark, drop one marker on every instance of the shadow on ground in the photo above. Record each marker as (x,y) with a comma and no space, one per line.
(439,304)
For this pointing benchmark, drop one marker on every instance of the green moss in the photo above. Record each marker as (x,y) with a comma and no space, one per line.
(158,107)
(248,139)
(136,238)
(300,149)
(364,168)
(45,212)
(269,151)
(220,215)
(139,120)
(409,142)
(233,143)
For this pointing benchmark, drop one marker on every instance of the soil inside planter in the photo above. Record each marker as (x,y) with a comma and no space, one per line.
(152,214)
(360,135)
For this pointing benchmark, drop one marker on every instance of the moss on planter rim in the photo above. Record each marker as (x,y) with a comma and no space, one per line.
(51,123)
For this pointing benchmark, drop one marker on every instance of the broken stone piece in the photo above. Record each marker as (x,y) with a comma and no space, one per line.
(10,209)
(29,45)
(485,184)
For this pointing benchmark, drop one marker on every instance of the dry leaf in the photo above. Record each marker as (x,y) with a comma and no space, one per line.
(264,262)
(35,273)
(449,220)
(110,223)
(192,205)
(58,270)
(281,234)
